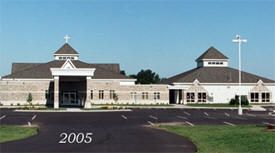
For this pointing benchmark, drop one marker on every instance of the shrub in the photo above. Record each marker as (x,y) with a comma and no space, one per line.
(115,97)
(11,104)
(235,101)
(18,104)
(1,104)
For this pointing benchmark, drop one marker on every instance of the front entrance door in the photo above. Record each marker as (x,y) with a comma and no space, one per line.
(69,98)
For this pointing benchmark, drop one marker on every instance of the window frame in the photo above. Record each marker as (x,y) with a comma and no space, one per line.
(254,99)
(189,97)
(266,98)
(101,94)
(201,96)
(145,95)
(112,93)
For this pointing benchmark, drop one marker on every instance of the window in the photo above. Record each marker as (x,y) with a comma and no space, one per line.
(101,94)
(217,63)
(72,58)
(134,95)
(190,97)
(265,97)
(254,97)
(60,58)
(46,94)
(145,95)
(64,57)
(156,95)
(201,97)
(213,62)
(92,94)
(112,92)
(209,63)
(221,63)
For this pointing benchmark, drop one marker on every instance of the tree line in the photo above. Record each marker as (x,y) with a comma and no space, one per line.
(145,77)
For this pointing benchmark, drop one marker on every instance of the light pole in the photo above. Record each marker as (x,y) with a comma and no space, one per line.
(240,41)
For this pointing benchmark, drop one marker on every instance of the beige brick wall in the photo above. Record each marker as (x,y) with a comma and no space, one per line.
(124,92)
(15,91)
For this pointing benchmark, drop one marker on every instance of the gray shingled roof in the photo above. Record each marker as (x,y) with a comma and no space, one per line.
(212,53)
(39,71)
(66,49)
(215,75)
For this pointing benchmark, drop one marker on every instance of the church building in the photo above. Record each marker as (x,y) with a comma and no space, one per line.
(212,81)
(67,81)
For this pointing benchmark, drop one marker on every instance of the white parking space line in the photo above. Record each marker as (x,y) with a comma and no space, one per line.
(227,114)
(250,115)
(205,114)
(229,123)
(29,123)
(2,117)
(209,117)
(186,113)
(124,117)
(150,123)
(153,117)
(34,117)
(182,117)
(242,118)
(189,123)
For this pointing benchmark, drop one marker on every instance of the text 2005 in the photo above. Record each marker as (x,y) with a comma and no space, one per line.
(76,138)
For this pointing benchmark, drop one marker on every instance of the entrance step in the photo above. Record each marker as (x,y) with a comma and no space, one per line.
(73,109)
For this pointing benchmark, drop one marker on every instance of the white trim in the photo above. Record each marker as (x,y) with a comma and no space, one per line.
(22,79)
(64,54)
(66,63)
(121,80)
(212,60)
(222,83)
(73,72)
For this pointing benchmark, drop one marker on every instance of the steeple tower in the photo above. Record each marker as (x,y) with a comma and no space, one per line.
(212,58)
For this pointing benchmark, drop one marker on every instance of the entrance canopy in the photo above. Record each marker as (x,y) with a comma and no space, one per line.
(68,69)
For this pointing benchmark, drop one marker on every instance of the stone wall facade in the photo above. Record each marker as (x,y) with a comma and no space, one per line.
(14,92)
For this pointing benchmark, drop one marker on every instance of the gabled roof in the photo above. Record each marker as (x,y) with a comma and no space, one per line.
(42,71)
(66,49)
(215,75)
(212,53)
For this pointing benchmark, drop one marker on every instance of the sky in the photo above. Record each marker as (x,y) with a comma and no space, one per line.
(165,36)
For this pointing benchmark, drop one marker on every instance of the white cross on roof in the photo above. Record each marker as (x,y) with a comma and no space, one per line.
(67,38)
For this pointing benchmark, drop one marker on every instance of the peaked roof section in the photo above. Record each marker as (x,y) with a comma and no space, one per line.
(66,49)
(215,75)
(42,71)
(212,53)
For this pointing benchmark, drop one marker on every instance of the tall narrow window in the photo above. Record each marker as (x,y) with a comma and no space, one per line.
(190,97)
(254,97)
(46,94)
(265,97)
(156,95)
(112,92)
(92,94)
(201,97)
(144,95)
(101,94)
(134,95)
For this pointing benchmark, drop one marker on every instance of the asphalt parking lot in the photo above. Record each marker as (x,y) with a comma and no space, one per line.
(120,131)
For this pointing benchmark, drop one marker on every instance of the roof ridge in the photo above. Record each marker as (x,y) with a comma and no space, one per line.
(257,76)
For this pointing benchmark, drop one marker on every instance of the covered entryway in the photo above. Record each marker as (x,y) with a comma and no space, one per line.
(71,85)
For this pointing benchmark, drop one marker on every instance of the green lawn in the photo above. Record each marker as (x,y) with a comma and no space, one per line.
(214,105)
(227,139)
(133,104)
(10,133)
(40,108)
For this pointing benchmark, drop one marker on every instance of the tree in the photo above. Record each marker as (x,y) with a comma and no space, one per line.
(146,77)
(122,72)
(29,99)
(115,97)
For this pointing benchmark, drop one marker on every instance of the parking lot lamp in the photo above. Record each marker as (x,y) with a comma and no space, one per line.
(240,41)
